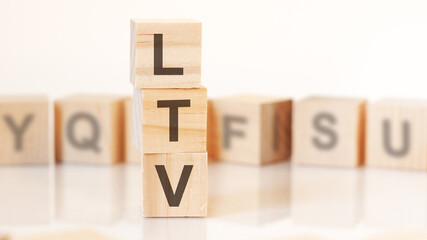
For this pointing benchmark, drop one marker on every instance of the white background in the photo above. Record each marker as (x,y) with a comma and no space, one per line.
(366,48)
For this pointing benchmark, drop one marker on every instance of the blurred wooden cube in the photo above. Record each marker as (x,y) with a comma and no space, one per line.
(171,120)
(397,134)
(131,152)
(329,131)
(249,129)
(89,129)
(24,128)
(175,185)
(166,53)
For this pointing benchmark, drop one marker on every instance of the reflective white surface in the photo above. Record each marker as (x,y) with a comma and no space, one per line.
(245,202)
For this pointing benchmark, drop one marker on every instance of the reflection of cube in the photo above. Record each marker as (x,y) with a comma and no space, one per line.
(174,228)
(249,129)
(329,131)
(24,128)
(395,199)
(25,195)
(175,185)
(325,197)
(171,120)
(89,194)
(67,235)
(166,53)
(131,152)
(89,129)
(247,194)
(132,197)
(397,134)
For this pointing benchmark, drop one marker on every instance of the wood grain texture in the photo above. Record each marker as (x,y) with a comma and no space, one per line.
(131,152)
(67,235)
(194,199)
(154,134)
(24,130)
(181,49)
(337,125)
(388,149)
(264,124)
(88,115)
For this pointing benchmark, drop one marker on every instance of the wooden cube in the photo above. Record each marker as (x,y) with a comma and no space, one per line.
(166,53)
(131,152)
(329,131)
(171,120)
(249,129)
(89,129)
(175,185)
(397,134)
(24,128)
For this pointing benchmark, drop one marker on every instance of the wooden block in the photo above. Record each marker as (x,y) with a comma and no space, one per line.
(171,120)
(24,130)
(89,129)
(67,235)
(131,152)
(166,53)
(397,134)
(249,129)
(175,185)
(329,131)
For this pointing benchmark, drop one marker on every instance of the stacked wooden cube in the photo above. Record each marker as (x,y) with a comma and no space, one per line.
(250,129)
(170,116)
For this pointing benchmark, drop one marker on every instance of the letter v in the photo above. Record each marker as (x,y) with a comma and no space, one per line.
(174,199)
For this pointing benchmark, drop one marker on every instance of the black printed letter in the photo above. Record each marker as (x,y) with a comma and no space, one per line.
(158,59)
(173,106)
(174,199)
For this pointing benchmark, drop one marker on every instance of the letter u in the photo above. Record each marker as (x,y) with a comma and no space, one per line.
(406,132)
